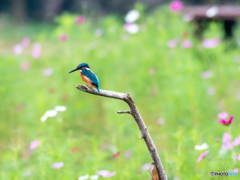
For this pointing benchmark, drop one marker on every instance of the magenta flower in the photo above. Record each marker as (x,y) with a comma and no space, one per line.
(58,165)
(25,66)
(223,115)
(25,42)
(80,19)
(63,37)
(146,166)
(202,156)
(226,122)
(105,173)
(116,154)
(127,154)
(173,43)
(36,51)
(186,44)
(211,43)
(34,144)
(176,6)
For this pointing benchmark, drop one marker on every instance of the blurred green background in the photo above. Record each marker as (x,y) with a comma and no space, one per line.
(178,85)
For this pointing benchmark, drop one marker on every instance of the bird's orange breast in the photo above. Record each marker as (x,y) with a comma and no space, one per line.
(85,79)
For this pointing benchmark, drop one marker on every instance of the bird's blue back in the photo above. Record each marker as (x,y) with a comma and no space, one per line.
(88,73)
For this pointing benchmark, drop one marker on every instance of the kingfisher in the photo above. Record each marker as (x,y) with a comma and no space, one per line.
(87,75)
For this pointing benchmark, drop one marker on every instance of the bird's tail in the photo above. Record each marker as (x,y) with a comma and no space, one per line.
(98,89)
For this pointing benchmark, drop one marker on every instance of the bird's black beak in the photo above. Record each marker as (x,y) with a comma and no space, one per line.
(73,70)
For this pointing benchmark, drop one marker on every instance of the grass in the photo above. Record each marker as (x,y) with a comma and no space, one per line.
(175,92)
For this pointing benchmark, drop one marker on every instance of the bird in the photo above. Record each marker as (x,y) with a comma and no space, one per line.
(87,75)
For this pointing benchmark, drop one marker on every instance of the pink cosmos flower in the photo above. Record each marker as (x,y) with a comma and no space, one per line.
(227,146)
(58,165)
(236,141)
(25,66)
(80,19)
(211,91)
(127,154)
(223,115)
(202,156)
(105,173)
(74,149)
(217,139)
(187,17)
(34,144)
(25,42)
(116,154)
(176,6)
(186,44)
(173,43)
(47,72)
(226,138)
(235,170)
(206,74)
(146,166)
(237,157)
(226,122)
(18,49)
(36,51)
(211,43)
(63,37)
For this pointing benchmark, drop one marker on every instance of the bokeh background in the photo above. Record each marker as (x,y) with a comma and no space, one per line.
(185,87)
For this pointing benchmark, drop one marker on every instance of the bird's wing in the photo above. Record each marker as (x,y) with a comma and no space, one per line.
(92,77)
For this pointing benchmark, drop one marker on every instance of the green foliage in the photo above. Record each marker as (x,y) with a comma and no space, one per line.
(164,83)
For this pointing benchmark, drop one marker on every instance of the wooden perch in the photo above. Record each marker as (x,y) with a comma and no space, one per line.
(134,112)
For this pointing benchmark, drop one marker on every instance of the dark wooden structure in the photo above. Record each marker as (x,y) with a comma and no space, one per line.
(202,15)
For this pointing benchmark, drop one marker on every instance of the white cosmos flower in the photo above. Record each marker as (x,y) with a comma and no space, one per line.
(50,113)
(132,16)
(44,118)
(18,49)
(94,177)
(131,28)
(83,177)
(60,108)
(211,12)
(201,147)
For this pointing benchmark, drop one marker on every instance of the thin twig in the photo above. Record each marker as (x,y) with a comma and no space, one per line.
(134,112)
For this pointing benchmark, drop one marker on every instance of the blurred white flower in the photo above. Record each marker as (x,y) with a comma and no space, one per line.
(44,118)
(50,113)
(206,74)
(131,28)
(173,43)
(60,108)
(201,147)
(17,49)
(83,177)
(98,32)
(211,12)
(94,177)
(132,16)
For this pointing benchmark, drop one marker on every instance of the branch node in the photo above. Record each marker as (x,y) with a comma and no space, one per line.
(122,112)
